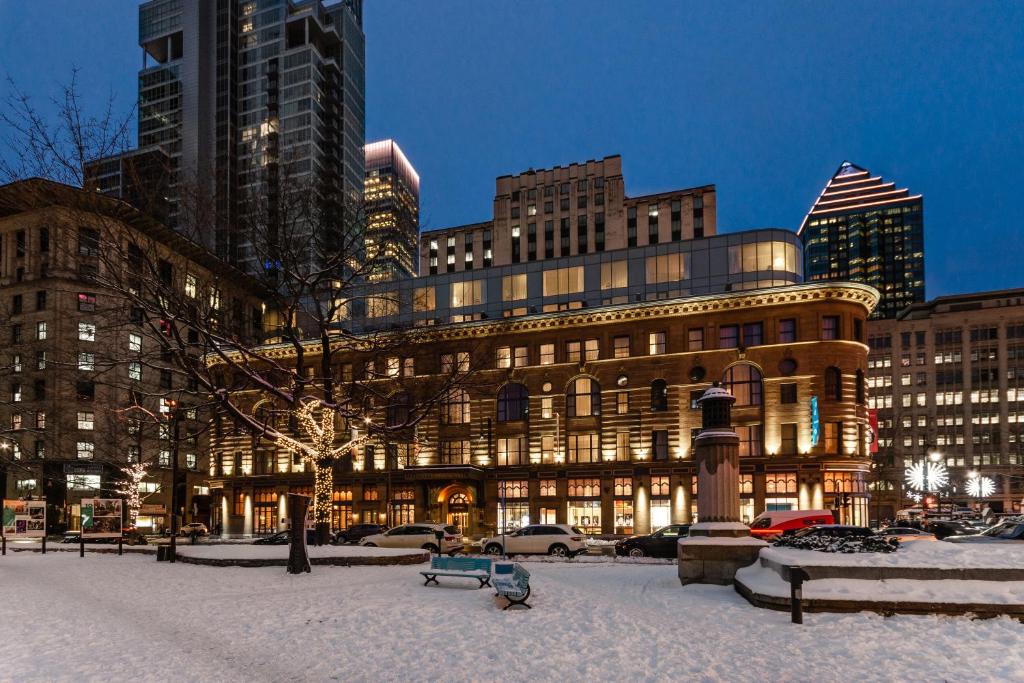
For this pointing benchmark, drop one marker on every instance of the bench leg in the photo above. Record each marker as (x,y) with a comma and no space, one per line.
(429,579)
(520,601)
(485,581)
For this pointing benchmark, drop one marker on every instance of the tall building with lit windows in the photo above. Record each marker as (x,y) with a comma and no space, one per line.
(863,228)
(392,194)
(247,97)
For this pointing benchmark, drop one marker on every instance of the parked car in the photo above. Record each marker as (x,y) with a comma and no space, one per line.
(903,533)
(357,532)
(560,540)
(662,543)
(420,535)
(284,538)
(128,537)
(771,523)
(198,527)
(943,528)
(836,531)
(1000,533)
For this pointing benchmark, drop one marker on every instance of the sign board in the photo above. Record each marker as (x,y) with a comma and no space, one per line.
(873,424)
(79,468)
(101,517)
(24,518)
(152,509)
(815,422)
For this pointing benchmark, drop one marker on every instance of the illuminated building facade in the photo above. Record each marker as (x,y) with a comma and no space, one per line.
(948,374)
(392,195)
(862,228)
(567,211)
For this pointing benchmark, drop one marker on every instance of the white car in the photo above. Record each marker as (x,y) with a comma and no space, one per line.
(198,527)
(904,534)
(420,535)
(560,540)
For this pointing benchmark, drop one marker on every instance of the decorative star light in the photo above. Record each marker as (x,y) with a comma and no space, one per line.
(915,496)
(980,487)
(934,474)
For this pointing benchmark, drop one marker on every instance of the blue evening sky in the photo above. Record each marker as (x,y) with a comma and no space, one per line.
(763,99)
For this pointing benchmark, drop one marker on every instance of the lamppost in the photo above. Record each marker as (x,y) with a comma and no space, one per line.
(173,416)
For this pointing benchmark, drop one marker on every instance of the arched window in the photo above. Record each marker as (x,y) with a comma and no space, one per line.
(659,395)
(455,407)
(513,403)
(398,409)
(833,383)
(583,398)
(860,387)
(744,382)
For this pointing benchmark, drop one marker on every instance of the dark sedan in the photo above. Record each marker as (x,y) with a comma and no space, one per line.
(284,538)
(662,543)
(1000,533)
(357,532)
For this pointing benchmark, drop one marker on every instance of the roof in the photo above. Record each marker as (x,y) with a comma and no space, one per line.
(852,187)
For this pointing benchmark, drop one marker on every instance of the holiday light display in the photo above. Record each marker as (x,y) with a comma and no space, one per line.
(129,488)
(927,476)
(980,487)
(320,453)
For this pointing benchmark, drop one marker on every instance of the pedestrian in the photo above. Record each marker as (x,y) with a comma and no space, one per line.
(194,535)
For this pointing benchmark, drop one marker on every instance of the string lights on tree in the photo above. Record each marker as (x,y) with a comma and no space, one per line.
(128,487)
(320,452)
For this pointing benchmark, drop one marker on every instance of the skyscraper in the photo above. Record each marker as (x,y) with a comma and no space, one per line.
(247,96)
(862,228)
(392,211)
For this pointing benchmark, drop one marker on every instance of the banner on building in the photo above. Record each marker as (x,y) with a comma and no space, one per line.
(24,518)
(815,422)
(101,517)
(873,436)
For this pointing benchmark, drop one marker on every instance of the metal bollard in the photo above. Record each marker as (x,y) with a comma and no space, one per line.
(797,576)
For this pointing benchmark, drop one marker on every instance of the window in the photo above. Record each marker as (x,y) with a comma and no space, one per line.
(659,445)
(788,443)
(787,331)
(830,327)
(655,343)
(621,402)
(695,339)
(88,242)
(572,352)
(85,420)
(424,299)
(614,274)
(513,287)
(85,450)
(622,445)
(191,287)
(86,302)
(397,414)
(520,356)
(743,381)
(455,453)
(454,362)
(667,268)
(408,367)
(547,354)
(41,300)
(753,334)
(468,293)
(382,305)
(787,392)
(41,419)
(15,393)
(584,448)
(833,383)
(583,398)
(503,357)
(561,281)
(87,331)
(750,440)
(547,407)
(620,347)
(86,361)
(135,371)
(41,331)
(134,342)
(833,433)
(512,451)
(513,403)
(455,407)
(728,336)
(659,395)
(591,349)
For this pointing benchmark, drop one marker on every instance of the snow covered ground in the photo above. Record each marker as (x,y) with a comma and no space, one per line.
(939,554)
(237,551)
(109,618)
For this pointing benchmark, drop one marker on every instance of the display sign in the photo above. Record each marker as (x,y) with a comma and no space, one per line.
(101,517)
(24,518)
(815,421)
(873,424)
(152,509)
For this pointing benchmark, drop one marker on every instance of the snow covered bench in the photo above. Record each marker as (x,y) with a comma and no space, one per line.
(513,583)
(478,568)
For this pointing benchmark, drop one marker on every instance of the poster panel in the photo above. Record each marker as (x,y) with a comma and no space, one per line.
(101,517)
(24,518)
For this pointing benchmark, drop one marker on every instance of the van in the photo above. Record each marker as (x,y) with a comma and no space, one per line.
(771,523)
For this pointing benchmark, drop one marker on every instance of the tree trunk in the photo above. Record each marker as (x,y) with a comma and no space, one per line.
(323,489)
(298,559)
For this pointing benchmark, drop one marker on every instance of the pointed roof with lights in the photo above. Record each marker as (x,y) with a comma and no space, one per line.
(853,187)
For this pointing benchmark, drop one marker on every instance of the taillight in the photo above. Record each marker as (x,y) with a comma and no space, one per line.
(449,538)
(575,538)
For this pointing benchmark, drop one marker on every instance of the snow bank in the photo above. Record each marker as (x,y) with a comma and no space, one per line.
(110,618)
(280,552)
(938,554)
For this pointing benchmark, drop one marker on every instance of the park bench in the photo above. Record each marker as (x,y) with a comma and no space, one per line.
(513,583)
(478,568)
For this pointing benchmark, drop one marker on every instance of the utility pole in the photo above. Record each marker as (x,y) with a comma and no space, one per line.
(175,433)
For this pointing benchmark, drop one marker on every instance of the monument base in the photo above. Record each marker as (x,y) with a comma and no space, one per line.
(720,529)
(714,559)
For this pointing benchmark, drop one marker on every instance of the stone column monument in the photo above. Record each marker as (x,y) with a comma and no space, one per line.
(719,543)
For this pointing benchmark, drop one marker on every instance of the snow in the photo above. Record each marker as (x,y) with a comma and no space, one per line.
(110,618)
(720,526)
(938,554)
(766,581)
(280,552)
(722,540)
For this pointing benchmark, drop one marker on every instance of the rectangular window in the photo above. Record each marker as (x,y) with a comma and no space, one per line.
(614,274)
(621,347)
(833,435)
(572,352)
(787,331)
(86,302)
(562,281)
(85,420)
(787,392)
(728,336)
(750,440)
(584,448)
(695,339)
(504,357)
(830,327)
(547,354)
(408,367)
(468,293)
(41,300)
(41,331)
(622,452)
(512,451)
(591,349)
(788,443)
(667,268)
(546,407)
(86,331)
(85,450)
(659,444)
(520,356)
(513,287)
(134,342)
(424,299)
(621,402)
(655,343)
(135,371)
(86,361)
(753,334)
(382,305)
